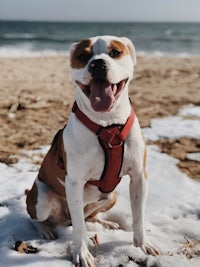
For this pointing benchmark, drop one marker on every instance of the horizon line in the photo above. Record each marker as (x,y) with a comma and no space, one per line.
(93,21)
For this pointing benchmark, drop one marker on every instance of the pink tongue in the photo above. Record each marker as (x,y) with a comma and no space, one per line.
(101,96)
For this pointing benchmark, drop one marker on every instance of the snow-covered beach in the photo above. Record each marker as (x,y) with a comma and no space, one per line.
(172,215)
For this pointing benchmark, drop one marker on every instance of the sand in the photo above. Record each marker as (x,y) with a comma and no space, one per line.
(36,96)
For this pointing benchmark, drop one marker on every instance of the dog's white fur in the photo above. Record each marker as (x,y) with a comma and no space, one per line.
(85,157)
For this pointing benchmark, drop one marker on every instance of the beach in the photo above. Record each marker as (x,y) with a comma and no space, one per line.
(36,96)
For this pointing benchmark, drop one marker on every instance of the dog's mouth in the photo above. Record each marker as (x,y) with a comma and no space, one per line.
(102,94)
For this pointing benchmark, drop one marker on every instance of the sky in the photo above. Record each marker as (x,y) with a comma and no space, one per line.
(101,10)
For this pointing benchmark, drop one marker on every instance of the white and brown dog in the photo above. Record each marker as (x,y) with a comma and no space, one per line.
(101,142)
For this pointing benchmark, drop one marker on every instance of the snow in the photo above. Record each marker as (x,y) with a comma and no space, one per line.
(175,126)
(193,156)
(190,110)
(172,216)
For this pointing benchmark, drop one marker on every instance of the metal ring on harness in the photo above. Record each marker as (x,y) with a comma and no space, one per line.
(111,146)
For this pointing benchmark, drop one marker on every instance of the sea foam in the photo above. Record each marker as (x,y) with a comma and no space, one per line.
(26,50)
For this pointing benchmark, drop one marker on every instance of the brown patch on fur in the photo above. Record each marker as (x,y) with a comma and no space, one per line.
(82,53)
(50,172)
(119,46)
(144,163)
(31,201)
(144,158)
(104,208)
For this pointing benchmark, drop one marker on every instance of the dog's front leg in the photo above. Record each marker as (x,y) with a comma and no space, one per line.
(74,192)
(138,193)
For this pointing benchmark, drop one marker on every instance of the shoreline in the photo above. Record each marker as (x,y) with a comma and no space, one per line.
(36,96)
(13,52)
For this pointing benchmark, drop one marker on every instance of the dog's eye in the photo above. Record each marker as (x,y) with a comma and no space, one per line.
(83,57)
(115,53)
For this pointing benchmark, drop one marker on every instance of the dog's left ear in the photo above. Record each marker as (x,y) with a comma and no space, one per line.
(131,49)
(71,50)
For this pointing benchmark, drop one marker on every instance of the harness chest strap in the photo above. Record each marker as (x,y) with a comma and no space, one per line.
(111,139)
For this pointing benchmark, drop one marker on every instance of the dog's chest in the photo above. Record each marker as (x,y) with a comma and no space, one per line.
(85,156)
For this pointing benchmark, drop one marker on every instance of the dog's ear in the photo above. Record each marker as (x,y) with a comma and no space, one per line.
(131,49)
(71,50)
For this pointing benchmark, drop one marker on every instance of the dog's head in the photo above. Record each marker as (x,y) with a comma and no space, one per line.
(101,68)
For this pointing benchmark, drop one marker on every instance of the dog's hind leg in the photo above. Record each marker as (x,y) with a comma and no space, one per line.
(106,202)
(40,203)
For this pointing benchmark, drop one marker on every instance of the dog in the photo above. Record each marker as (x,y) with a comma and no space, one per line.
(101,142)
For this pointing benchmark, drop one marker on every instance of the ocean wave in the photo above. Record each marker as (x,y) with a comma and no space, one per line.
(158,53)
(26,51)
(169,32)
(35,37)
(157,39)
(169,36)
(176,38)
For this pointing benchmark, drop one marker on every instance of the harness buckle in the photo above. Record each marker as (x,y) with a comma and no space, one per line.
(111,146)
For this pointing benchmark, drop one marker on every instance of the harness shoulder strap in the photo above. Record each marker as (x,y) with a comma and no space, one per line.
(111,140)
(94,127)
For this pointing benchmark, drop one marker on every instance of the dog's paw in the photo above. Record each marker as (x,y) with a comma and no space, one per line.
(95,240)
(45,231)
(147,248)
(82,257)
(49,234)
(106,224)
(109,224)
(150,250)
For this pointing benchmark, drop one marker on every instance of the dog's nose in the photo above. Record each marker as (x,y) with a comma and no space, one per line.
(98,69)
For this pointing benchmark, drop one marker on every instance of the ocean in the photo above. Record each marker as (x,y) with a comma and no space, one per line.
(51,38)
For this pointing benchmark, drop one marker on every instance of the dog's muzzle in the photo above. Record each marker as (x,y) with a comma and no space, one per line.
(100,91)
(98,69)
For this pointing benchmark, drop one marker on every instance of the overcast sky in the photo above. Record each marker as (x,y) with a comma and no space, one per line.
(101,10)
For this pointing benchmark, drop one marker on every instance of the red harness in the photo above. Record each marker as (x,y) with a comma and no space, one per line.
(111,139)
